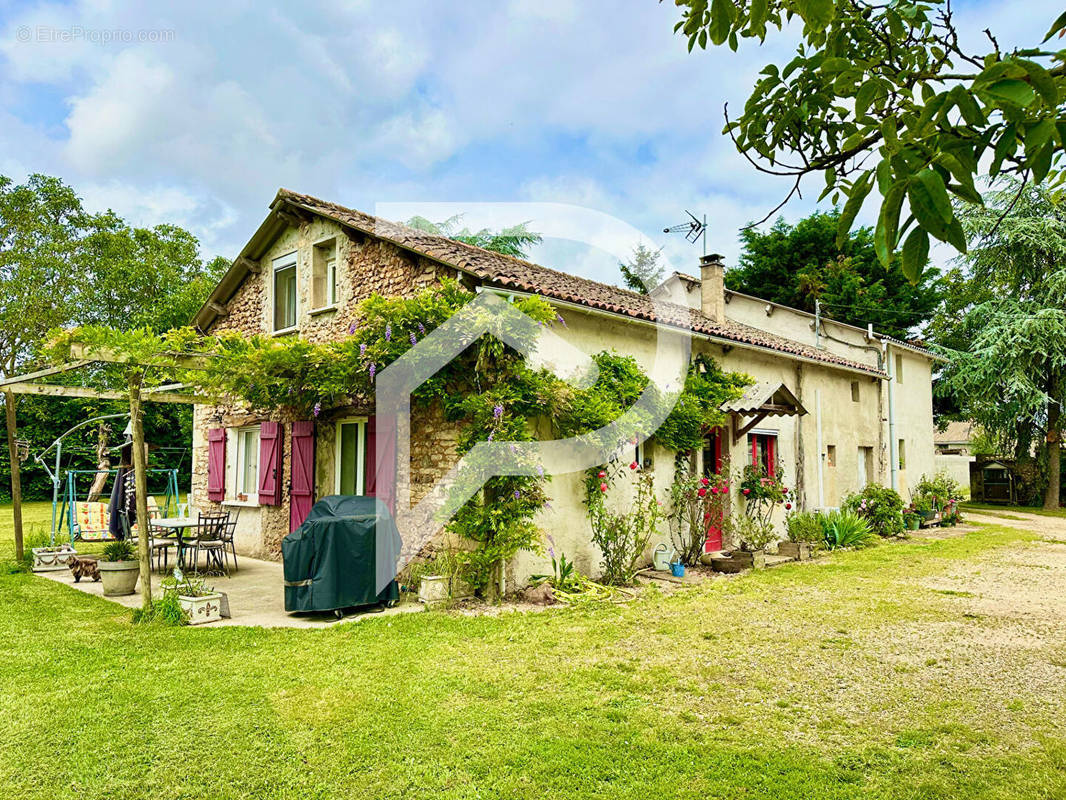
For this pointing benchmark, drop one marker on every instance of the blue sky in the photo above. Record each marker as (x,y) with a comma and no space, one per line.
(205,109)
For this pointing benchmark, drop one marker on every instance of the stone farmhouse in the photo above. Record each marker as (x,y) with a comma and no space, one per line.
(834,405)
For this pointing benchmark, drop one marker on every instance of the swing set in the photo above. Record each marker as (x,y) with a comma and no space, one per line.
(82,519)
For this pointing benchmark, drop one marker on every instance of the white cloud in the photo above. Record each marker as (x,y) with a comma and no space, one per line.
(594,103)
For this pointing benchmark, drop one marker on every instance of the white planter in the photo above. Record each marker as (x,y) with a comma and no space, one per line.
(52,559)
(202,609)
(433,589)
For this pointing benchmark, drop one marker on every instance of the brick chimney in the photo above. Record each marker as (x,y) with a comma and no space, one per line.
(712,287)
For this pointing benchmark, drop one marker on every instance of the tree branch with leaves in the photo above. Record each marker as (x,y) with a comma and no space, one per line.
(884,96)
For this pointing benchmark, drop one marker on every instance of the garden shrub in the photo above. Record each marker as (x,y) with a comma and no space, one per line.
(939,491)
(622,536)
(696,503)
(805,526)
(754,533)
(880,506)
(846,529)
(163,611)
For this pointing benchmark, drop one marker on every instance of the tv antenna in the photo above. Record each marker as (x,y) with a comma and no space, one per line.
(693,229)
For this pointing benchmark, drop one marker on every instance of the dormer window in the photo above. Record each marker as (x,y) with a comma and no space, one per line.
(284,272)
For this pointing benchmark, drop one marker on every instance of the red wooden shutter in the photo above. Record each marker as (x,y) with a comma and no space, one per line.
(771,456)
(301,493)
(370,477)
(381,461)
(270,464)
(216,464)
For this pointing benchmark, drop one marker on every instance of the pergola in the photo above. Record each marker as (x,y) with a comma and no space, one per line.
(137,394)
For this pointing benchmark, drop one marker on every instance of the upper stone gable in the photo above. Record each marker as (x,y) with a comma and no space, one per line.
(365,265)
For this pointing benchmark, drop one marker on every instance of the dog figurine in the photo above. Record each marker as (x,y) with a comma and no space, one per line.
(84,567)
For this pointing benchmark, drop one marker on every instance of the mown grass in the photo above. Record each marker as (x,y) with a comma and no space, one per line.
(1004,510)
(839,679)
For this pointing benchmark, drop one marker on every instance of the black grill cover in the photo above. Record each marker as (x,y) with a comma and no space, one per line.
(345,548)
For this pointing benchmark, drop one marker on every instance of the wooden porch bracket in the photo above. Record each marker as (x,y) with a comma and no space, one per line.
(739,433)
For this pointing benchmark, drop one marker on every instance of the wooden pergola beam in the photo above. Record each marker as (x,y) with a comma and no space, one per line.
(54,390)
(44,373)
(88,353)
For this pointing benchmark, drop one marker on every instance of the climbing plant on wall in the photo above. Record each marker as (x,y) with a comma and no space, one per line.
(489,390)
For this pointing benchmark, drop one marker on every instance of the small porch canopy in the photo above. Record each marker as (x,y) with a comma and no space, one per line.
(762,400)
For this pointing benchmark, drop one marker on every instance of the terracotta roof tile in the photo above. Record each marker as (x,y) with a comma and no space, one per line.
(507,272)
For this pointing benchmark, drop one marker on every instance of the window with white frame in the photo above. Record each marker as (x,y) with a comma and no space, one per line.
(246,478)
(324,274)
(284,272)
(350,452)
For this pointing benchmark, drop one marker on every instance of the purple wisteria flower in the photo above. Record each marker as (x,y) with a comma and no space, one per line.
(421,328)
(414,339)
(492,435)
(352,327)
(517,494)
(373,371)
(362,349)
(317,409)
(388,332)
(540,470)
(497,411)
(560,318)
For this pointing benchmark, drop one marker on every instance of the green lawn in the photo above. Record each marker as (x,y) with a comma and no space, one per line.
(858,676)
(973,506)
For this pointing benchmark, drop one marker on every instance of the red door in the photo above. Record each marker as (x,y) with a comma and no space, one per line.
(712,466)
(302,488)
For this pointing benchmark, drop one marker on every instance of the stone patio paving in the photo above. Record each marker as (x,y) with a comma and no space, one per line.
(256,597)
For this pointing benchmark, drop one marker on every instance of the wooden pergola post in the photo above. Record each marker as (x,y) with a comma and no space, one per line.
(16,478)
(140,483)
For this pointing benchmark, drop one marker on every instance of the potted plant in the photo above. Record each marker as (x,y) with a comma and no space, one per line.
(924,506)
(912,520)
(804,530)
(119,569)
(444,580)
(754,535)
(51,559)
(200,602)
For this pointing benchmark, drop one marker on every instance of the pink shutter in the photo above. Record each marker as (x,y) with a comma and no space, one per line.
(216,464)
(270,464)
(381,459)
(301,493)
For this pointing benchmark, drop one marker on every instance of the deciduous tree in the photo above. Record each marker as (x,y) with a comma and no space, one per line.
(797,264)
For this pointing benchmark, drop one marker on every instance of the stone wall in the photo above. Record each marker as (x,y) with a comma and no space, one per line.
(367,266)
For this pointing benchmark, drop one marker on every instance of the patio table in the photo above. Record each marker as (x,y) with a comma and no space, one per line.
(178,525)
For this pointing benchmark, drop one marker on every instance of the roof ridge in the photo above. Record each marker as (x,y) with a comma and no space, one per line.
(300,197)
(509,272)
